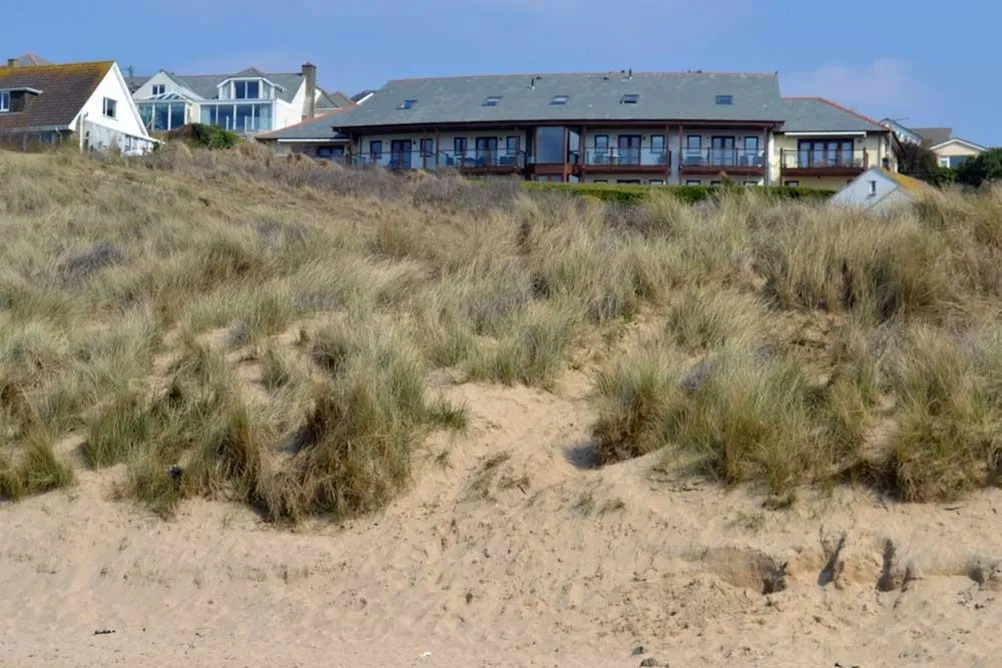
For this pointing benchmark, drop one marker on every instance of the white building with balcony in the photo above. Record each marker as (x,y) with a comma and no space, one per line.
(248,102)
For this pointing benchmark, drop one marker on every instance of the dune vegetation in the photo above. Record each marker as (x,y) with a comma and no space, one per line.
(239,325)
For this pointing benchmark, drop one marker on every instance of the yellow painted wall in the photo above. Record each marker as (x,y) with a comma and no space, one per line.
(956,149)
(877,146)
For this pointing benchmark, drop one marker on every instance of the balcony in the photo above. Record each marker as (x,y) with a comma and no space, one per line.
(633,160)
(471,162)
(828,162)
(728,160)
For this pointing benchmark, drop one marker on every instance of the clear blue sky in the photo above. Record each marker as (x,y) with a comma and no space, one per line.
(934,64)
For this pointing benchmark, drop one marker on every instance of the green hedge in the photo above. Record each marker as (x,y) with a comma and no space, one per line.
(636,194)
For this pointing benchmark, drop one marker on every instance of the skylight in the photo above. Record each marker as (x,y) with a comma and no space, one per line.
(725,99)
(629,98)
(560,99)
(407,104)
(492,101)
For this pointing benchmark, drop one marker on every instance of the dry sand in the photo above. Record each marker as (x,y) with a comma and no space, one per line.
(508,551)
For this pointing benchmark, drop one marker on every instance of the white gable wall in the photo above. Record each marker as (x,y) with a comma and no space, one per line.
(871,191)
(126,122)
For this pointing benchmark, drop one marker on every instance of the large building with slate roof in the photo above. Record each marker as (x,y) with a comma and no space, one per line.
(246,102)
(628,127)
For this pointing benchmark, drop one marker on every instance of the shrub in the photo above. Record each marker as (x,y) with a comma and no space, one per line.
(204,136)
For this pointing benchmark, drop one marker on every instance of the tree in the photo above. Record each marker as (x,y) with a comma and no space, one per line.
(917,160)
(982,169)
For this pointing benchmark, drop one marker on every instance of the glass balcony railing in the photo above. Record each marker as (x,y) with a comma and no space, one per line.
(723,158)
(627,157)
(833,158)
(474,159)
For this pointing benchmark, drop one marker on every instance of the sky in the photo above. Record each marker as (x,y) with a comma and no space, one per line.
(921,63)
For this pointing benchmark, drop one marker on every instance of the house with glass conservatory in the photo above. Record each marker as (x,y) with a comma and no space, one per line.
(248,102)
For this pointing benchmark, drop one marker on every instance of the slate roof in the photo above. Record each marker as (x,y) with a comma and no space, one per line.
(934,136)
(662,96)
(816,114)
(65,90)
(319,128)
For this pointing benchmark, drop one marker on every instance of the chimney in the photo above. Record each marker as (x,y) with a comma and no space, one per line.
(310,77)
(12,62)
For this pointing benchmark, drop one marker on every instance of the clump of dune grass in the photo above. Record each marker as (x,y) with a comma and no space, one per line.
(703,319)
(950,407)
(36,469)
(367,415)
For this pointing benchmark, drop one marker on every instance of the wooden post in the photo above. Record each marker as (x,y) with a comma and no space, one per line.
(438,146)
(583,149)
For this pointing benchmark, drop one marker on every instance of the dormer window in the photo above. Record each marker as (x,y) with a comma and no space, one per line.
(629,98)
(247,90)
(725,99)
(407,104)
(4,101)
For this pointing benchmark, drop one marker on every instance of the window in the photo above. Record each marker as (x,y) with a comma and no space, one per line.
(159,89)
(751,184)
(560,99)
(725,99)
(629,98)
(109,108)
(694,143)
(376,149)
(628,181)
(492,101)
(714,184)
(601,142)
(459,145)
(656,182)
(427,148)
(600,181)
(511,145)
(4,101)
(792,184)
(658,144)
(943,162)
(873,188)
(693,182)
(407,104)
(247,90)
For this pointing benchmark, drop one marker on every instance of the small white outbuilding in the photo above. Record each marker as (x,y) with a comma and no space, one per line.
(878,190)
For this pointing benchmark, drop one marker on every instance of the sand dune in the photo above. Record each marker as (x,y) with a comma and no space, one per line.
(508,551)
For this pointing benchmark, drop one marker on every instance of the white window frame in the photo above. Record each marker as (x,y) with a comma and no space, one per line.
(693,182)
(159,89)
(4,101)
(944,161)
(104,108)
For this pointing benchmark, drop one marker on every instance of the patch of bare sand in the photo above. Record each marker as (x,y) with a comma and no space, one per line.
(509,550)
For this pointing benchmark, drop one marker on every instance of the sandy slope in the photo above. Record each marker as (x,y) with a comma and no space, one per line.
(508,551)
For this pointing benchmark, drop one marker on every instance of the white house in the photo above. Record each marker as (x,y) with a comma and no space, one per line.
(248,102)
(878,190)
(47,104)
